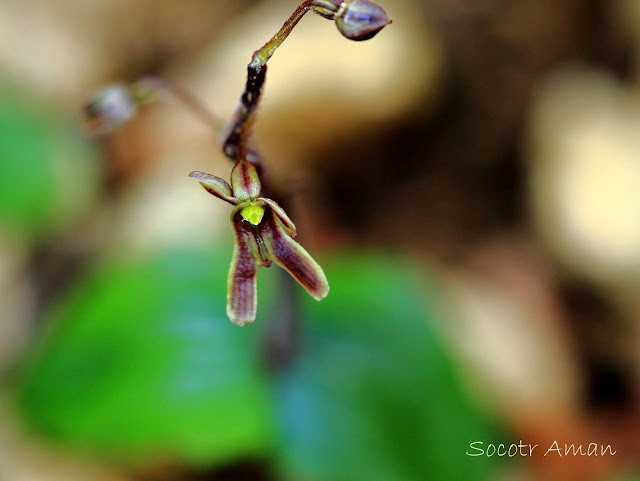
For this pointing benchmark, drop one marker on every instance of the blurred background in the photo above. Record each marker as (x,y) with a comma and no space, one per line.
(469,180)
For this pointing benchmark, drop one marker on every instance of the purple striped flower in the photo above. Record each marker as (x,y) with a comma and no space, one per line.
(263,234)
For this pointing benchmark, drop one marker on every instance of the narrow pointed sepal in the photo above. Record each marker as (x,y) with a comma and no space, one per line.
(242,295)
(215,186)
(292,257)
(245,181)
(279,211)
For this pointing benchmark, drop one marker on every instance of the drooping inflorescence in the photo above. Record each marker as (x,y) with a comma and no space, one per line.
(263,231)
(356,20)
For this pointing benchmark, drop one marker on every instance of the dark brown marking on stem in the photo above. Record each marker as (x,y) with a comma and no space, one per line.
(235,146)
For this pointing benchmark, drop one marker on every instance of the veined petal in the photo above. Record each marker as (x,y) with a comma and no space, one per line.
(245,181)
(279,211)
(215,186)
(242,296)
(292,257)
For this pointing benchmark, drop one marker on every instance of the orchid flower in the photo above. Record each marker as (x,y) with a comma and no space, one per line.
(263,231)
(263,234)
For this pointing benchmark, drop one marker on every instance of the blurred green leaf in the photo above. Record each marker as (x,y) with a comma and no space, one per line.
(142,362)
(629,477)
(375,396)
(48,174)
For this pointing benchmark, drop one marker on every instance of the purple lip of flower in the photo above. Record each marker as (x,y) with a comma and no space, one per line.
(263,234)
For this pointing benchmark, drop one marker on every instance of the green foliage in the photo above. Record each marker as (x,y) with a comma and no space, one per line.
(142,362)
(47,175)
(375,395)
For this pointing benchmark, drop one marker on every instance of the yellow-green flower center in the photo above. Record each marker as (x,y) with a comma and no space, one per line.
(253,214)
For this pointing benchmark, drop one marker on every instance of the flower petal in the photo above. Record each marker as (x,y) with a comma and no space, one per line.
(242,296)
(292,257)
(279,211)
(215,186)
(245,181)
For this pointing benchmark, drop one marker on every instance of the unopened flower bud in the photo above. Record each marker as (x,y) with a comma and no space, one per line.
(361,19)
(109,108)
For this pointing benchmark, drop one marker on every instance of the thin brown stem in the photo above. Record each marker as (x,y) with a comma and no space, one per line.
(236,144)
(262,55)
(147,87)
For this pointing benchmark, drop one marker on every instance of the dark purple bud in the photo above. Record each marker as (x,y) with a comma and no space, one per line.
(109,108)
(361,19)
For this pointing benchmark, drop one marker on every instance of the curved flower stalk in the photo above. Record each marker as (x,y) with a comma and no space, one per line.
(355,19)
(114,105)
(263,231)
(263,234)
